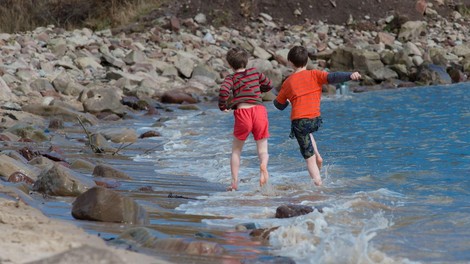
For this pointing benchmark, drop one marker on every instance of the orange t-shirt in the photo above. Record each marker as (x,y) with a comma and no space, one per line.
(303,89)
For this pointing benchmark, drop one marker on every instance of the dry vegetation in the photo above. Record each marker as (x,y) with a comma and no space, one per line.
(24,15)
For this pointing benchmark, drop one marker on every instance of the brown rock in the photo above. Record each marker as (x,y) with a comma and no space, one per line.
(150,133)
(20,177)
(177,98)
(101,204)
(286,211)
(263,232)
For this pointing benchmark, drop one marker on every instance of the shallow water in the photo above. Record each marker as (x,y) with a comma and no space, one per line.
(396,181)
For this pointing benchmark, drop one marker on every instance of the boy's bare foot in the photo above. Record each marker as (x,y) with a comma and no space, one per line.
(318,182)
(263,176)
(232,187)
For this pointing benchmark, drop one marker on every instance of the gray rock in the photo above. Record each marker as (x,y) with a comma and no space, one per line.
(104,205)
(102,99)
(412,30)
(62,181)
(119,135)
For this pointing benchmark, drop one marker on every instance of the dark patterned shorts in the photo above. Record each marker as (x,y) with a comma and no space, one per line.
(301,129)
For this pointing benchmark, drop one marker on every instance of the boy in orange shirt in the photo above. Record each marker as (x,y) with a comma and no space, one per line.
(303,89)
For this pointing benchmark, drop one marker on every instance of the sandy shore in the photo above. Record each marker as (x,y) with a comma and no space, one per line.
(29,236)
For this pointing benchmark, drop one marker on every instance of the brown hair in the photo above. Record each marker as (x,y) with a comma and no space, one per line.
(298,55)
(237,58)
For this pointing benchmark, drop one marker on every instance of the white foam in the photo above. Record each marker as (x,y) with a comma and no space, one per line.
(311,239)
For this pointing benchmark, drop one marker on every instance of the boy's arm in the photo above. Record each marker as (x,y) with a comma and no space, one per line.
(281,100)
(224,93)
(265,84)
(339,77)
(279,105)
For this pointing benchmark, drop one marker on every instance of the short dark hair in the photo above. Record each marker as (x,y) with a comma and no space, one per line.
(237,58)
(298,55)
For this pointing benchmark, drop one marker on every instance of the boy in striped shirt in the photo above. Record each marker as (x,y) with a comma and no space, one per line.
(303,89)
(245,86)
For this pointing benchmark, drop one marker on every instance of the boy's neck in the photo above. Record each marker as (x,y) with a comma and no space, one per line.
(300,69)
(240,70)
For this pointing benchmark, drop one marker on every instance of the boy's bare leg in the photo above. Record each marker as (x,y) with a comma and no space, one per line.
(318,159)
(237,147)
(262,147)
(313,170)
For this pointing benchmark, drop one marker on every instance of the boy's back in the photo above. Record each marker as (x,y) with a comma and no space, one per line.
(303,89)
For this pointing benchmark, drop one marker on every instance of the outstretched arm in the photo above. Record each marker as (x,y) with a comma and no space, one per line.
(339,77)
(265,83)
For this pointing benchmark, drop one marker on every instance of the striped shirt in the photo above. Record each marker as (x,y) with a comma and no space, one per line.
(303,89)
(244,87)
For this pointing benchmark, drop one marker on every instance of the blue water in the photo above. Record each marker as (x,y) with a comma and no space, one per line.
(396,177)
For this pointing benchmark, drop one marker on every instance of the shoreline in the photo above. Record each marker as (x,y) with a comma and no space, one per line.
(34,236)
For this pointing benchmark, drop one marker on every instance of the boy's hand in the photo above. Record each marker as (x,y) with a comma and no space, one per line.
(355,76)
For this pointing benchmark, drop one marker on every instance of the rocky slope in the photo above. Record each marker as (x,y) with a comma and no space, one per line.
(292,12)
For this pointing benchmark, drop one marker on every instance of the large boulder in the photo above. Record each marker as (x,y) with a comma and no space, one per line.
(342,59)
(62,181)
(101,100)
(104,205)
(412,30)
(431,74)
(65,84)
(367,61)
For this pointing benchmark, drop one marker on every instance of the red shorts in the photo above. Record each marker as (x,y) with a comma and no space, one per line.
(251,120)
